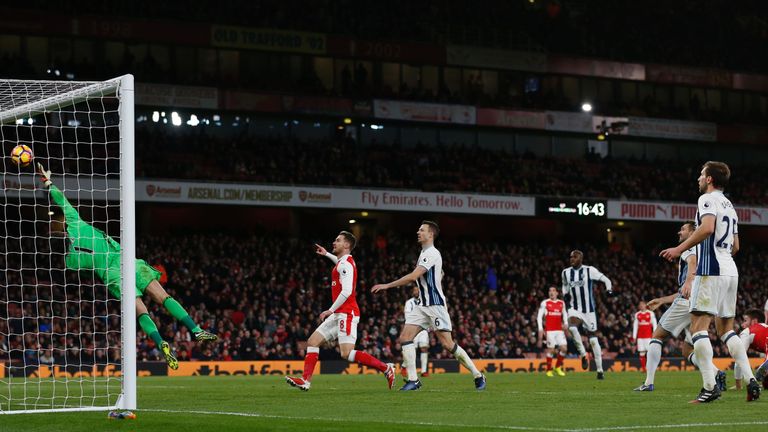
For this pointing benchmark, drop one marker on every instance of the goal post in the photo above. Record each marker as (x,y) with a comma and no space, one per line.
(66,344)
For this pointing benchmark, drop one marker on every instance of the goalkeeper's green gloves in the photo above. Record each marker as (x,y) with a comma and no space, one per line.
(45,175)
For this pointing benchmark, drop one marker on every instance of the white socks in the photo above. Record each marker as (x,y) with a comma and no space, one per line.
(464,359)
(598,352)
(702,349)
(577,340)
(409,358)
(424,357)
(739,353)
(652,361)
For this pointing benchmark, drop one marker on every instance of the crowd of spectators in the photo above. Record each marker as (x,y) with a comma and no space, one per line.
(696,33)
(447,168)
(262,296)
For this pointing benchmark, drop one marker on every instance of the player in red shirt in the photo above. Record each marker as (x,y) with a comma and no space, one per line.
(642,330)
(340,320)
(754,336)
(556,320)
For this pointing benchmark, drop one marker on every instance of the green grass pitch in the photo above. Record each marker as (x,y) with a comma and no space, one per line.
(577,402)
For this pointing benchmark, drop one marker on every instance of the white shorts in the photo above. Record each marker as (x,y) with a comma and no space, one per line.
(715,295)
(589,319)
(556,338)
(677,318)
(422,339)
(340,326)
(642,344)
(430,317)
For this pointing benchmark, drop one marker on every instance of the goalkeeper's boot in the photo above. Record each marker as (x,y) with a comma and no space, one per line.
(753,390)
(411,386)
(707,396)
(480,382)
(550,373)
(169,357)
(560,371)
(203,335)
(645,388)
(600,375)
(299,383)
(720,381)
(390,375)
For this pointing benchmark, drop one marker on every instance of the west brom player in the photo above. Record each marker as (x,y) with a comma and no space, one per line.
(643,326)
(556,320)
(340,320)
(432,310)
(716,282)
(578,283)
(677,318)
(422,339)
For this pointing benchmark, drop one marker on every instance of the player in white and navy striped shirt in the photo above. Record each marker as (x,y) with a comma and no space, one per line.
(431,312)
(715,284)
(578,290)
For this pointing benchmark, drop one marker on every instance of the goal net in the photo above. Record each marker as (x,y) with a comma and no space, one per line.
(65,342)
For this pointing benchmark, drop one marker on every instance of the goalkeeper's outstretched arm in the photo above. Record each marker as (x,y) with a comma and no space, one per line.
(70,214)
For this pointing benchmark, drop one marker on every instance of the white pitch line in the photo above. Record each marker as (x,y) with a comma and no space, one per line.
(416,423)
(498,427)
(670,426)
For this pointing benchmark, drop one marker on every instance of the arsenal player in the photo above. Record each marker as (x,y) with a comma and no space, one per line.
(754,337)
(340,320)
(642,330)
(553,309)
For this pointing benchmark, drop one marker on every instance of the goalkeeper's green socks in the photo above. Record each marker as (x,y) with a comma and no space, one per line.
(177,311)
(150,328)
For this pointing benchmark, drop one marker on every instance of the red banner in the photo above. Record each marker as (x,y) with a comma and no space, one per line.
(321,105)
(743,81)
(421,53)
(151,31)
(249,101)
(688,75)
(674,212)
(742,134)
(511,119)
(597,68)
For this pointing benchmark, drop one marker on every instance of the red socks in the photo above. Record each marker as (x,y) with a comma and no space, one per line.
(309,364)
(642,361)
(364,358)
(559,360)
(549,362)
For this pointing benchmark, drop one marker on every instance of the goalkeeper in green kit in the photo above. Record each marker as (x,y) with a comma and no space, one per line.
(91,249)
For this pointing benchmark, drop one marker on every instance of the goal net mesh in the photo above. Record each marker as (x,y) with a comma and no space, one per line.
(60,329)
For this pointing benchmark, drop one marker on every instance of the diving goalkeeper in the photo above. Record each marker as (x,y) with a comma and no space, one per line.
(91,249)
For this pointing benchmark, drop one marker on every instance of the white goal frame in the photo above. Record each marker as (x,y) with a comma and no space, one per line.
(123,88)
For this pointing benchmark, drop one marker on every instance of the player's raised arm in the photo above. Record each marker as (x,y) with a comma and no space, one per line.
(346,277)
(704,230)
(595,274)
(411,277)
(57,195)
(658,302)
(322,252)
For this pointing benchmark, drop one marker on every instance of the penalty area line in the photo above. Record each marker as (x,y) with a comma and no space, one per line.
(414,423)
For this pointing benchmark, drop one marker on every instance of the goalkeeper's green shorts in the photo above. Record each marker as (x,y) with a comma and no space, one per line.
(145,274)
